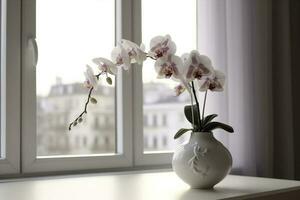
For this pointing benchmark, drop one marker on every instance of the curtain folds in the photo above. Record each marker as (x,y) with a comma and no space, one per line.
(250,41)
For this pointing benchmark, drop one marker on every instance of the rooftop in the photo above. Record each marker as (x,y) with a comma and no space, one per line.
(153,92)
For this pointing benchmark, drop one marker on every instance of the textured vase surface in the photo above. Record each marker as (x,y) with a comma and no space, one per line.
(202,162)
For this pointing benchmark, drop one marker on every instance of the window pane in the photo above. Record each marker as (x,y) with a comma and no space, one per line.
(69,34)
(163,112)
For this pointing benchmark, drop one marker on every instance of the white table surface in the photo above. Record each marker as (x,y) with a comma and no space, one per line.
(138,185)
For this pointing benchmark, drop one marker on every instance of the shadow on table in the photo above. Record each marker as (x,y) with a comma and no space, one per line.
(215,193)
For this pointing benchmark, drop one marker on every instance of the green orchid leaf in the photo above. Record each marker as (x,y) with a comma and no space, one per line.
(189,116)
(208,118)
(180,132)
(215,125)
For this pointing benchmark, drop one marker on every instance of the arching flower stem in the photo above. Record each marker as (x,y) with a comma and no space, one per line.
(84,111)
(74,123)
(153,58)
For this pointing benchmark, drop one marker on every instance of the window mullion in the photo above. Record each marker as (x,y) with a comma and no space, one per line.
(124,83)
(137,86)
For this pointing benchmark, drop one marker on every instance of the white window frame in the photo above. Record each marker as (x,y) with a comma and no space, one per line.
(10,86)
(30,162)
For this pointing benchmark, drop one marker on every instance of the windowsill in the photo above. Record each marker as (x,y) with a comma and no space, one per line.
(139,185)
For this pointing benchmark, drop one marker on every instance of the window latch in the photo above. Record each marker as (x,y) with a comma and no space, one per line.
(33,47)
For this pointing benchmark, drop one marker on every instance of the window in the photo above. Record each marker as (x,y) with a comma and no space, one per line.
(58,38)
(154,144)
(164,110)
(165,141)
(66,38)
(159,93)
(154,120)
(66,43)
(164,120)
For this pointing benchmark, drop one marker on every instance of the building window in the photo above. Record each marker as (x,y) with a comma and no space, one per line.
(146,123)
(155,143)
(84,141)
(165,141)
(164,120)
(96,142)
(154,121)
(106,140)
(146,145)
(77,141)
(96,122)
(107,121)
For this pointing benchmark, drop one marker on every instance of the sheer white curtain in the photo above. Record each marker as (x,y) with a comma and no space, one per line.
(236,34)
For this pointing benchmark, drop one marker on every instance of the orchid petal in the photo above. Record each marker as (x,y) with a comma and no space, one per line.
(135,53)
(90,77)
(142,47)
(162,46)
(204,85)
(106,65)
(220,76)
(215,82)
(120,57)
(184,57)
(179,89)
(197,66)
(205,60)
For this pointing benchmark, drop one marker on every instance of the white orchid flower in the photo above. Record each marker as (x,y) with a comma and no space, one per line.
(136,54)
(215,82)
(170,66)
(91,80)
(197,65)
(106,65)
(185,57)
(120,57)
(162,46)
(179,89)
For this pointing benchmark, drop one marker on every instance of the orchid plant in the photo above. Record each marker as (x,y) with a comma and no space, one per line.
(192,71)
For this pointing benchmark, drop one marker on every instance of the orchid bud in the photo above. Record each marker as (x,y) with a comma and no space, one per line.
(109,80)
(93,100)
(179,89)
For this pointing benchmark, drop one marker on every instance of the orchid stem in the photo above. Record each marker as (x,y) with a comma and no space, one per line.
(86,103)
(204,104)
(98,75)
(197,104)
(192,102)
(85,109)
(153,58)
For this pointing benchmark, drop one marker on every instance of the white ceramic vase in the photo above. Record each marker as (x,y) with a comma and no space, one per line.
(202,162)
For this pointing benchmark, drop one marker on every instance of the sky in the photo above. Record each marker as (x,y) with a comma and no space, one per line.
(70,35)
